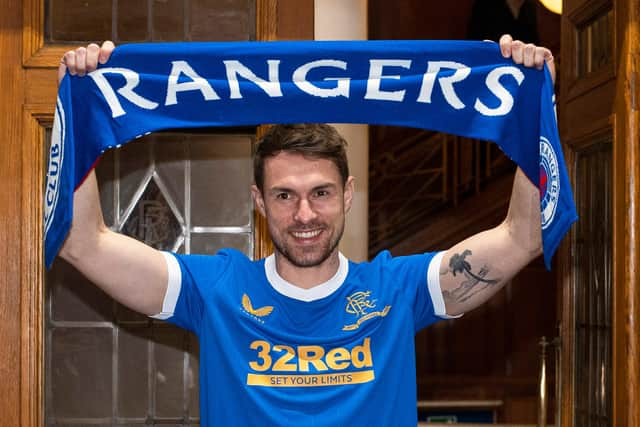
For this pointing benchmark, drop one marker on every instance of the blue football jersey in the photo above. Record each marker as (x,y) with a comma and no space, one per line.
(272,354)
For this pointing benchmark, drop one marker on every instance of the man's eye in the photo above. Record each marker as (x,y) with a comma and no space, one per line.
(283,196)
(322,193)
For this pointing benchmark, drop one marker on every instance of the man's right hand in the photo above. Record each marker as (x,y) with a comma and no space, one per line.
(131,272)
(84,60)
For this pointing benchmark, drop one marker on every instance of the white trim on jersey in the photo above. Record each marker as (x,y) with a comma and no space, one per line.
(174,283)
(307,295)
(433,281)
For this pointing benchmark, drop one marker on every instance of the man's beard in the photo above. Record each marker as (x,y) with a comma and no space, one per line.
(303,261)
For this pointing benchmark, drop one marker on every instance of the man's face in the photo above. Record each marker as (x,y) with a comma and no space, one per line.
(305,204)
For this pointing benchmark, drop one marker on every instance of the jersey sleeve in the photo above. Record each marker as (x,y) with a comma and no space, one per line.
(190,279)
(420,279)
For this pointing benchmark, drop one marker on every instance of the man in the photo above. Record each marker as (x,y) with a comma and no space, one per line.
(304,336)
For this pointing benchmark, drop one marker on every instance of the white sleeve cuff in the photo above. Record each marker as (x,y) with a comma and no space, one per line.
(433,281)
(174,283)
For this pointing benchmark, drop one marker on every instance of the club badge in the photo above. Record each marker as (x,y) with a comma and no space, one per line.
(549,182)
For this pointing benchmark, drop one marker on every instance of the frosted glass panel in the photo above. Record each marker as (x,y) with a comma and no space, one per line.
(223,172)
(171,155)
(81,372)
(133,372)
(232,19)
(71,20)
(134,165)
(169,374)
(193,377)
(125,315)
(149,20)
(209,243)
(168,17)
(132,20)
(106,180)
(74,297)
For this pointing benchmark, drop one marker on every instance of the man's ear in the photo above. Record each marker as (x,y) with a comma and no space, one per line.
(258,200)
(348,193)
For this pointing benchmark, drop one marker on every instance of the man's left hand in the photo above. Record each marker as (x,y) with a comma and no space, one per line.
(527,54)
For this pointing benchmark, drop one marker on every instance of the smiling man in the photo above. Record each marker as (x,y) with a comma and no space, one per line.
(304,336)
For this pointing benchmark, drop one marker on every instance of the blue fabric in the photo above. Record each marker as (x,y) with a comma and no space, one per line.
(253,342)
(459,87)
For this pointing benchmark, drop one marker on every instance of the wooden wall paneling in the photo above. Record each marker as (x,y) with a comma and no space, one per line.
(35,119)
(579,114)
(295,20)
(266,19)
(40,62)
(35,53)
(11,278)
(626,289)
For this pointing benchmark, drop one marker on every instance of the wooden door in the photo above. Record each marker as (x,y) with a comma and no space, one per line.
(599,127)
(27,95)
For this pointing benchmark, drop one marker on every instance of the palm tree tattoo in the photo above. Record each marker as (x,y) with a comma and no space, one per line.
(458,264)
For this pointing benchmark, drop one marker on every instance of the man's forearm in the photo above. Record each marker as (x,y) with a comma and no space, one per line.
(523,217)
(478,267)
(87,223)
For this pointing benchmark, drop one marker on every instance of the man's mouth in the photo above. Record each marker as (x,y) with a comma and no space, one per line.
(306,234)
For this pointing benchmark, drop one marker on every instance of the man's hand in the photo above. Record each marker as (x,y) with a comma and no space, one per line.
(84,60)
(527,54)
(132,273)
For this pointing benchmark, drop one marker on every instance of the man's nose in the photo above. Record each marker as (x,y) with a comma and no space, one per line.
(305,212)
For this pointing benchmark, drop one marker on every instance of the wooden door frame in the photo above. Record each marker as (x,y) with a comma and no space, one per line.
(27,83)
(626,214)
(620,82)
(11,220)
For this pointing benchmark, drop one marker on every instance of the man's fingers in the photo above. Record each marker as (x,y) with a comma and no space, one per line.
(529,55)
(505,45)
(69,59)
(105,51)
(548,59)
(81,61)
(62,70)
(540,57)
(84,60)
(93,50)
(517,52)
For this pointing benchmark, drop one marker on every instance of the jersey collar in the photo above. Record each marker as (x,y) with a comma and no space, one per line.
(307,295)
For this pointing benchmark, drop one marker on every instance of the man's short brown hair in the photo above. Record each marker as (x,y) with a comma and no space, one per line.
(311,140)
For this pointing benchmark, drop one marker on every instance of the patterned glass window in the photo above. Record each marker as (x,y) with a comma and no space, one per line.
(595,44)
(69,21)
(593,251)
(105,364)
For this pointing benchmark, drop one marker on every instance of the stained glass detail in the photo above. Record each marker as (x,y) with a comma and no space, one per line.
(97,347)
(152,221)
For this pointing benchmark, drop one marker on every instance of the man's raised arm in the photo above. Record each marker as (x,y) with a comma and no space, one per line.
(131,272)
(476,268)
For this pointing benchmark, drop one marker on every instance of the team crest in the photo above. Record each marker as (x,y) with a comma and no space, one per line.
(360,304)
(549,182)
(256,313)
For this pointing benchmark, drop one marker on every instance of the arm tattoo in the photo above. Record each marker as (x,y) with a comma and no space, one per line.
(469,287)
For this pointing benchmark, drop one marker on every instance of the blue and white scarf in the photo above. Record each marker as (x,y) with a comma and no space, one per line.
(464,88)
